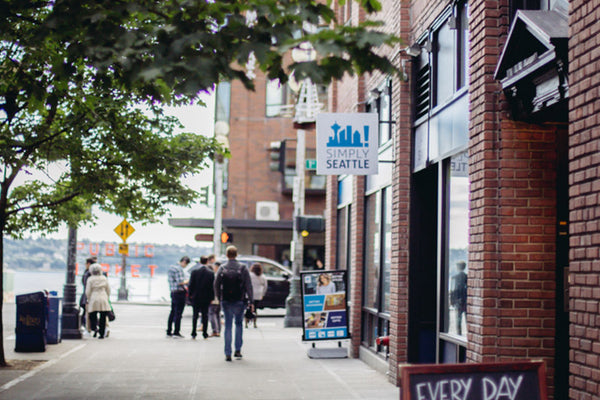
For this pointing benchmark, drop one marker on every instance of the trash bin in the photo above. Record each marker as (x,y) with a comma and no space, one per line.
(54,327)
(31,322)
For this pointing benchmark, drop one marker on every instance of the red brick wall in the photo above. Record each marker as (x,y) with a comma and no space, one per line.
(402,133)
(331,221)
(356,243)
(511,310)
(584,163)
(250,178)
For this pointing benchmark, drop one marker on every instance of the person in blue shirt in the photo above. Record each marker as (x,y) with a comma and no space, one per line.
(177,284)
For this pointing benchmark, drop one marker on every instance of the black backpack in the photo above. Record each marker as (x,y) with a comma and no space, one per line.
(231,281)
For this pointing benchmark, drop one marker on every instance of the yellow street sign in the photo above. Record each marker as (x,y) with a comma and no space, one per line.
(123,248)
(124,230)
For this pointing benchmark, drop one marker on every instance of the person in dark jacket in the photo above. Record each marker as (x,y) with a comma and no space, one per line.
(201,292)
(233,288)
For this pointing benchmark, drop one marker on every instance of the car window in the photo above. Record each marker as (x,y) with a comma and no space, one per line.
(272,271)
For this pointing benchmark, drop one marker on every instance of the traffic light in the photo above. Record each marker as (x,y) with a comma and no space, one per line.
(277,155)
(310,223)
(226,237)
(203,195)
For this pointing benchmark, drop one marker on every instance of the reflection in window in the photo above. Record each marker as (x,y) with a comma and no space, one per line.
(445,64)
(372,249)
(387,249)
(458,241)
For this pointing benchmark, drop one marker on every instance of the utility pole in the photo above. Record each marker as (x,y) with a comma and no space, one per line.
(218,226)
(221,134)
(307,108)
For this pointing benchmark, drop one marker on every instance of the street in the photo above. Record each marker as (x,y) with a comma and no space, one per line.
(139,361)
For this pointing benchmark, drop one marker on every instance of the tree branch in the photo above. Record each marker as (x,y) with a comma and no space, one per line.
(42,205)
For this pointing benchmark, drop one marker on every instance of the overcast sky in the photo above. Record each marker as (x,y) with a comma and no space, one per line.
(196,119)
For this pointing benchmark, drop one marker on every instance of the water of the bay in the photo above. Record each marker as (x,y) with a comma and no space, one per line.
(140,289)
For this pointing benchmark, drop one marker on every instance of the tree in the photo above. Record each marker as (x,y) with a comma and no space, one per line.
(82,83)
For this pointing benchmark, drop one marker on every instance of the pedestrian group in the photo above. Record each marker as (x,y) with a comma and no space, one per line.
(212,288)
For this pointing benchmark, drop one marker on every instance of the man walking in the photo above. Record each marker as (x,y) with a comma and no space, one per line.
(201,293)
(234,288)
(177,284)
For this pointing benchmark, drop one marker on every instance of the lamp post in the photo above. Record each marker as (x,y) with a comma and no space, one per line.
(306,110)
(70,311)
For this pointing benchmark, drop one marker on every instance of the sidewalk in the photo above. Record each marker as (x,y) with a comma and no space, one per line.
(138,361)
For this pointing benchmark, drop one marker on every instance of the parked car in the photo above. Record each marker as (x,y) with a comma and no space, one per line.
(278,278)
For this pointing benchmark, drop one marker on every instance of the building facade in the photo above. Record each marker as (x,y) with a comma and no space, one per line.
(476,241)
(257,209)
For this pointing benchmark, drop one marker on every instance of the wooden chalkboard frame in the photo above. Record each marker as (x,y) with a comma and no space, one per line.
(408,371)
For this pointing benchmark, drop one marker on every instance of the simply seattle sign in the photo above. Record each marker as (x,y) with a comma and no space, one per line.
(347,144)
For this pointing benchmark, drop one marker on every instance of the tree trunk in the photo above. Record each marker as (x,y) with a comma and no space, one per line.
(2,358)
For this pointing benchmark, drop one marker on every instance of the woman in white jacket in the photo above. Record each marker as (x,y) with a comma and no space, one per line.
(97,291)
(259,289)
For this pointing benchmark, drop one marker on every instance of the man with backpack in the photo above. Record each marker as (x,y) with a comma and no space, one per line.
(233,288)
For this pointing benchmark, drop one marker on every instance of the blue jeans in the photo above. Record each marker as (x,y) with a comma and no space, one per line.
(233,310)
(177,306)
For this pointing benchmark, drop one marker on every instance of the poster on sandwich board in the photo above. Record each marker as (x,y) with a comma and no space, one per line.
(324,305)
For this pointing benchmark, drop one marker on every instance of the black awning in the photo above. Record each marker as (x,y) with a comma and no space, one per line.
(533,67)
(533,36)
(231,223)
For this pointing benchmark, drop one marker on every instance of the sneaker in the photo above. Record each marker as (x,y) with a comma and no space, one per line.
(227,358)
(169,333)
(204,335)
(178,336)
(237,354)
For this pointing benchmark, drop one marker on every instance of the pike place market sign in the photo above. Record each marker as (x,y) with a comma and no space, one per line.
(347,143)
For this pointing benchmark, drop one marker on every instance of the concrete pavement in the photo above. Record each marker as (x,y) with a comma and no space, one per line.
(138,361)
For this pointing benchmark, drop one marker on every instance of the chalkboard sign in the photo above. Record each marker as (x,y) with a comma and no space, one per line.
(490,381)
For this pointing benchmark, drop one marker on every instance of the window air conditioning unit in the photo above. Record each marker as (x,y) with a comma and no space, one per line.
(267,211)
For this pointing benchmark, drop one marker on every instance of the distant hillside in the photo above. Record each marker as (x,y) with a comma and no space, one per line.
(51,254)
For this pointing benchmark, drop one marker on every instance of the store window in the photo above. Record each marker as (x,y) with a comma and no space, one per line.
(555,5)
(440,97)
(377,267)
(279,101)
(456,266)
(441,137)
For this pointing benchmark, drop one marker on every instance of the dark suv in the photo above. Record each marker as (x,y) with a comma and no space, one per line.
(278,278)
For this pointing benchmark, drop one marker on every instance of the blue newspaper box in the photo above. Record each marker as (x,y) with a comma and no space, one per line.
(31,322)
(54,327)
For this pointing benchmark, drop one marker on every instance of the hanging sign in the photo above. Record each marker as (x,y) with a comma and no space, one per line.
(347,143)
(324,309)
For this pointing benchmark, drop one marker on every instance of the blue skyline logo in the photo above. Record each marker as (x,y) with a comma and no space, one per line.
(345,137)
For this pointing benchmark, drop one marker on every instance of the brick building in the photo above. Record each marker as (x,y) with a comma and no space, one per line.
(491,131)
(257,200)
